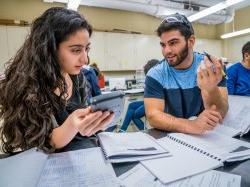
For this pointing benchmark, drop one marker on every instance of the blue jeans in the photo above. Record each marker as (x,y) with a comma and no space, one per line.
(135,111)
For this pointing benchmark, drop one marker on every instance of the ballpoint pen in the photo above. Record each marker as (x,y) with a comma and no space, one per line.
(209,58)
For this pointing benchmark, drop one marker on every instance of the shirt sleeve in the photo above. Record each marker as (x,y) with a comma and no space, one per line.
(231,81)
(153,89)
(223,82)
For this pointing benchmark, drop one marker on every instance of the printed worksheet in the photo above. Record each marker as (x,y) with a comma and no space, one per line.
(139,176)
(85,167)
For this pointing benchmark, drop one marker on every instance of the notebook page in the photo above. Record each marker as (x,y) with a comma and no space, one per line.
(135,143)
(136,158)
(139,176)
(23,169)
(237,118)
(85,167)
(215,143)
(181,164)
(226,130)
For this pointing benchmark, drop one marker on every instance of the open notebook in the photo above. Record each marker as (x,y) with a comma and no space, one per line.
(237,120)
(130,147)
(224,147)
(185,162)
(74,168)
(193,154)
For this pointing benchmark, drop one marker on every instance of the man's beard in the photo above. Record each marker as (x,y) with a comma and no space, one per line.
(180,57)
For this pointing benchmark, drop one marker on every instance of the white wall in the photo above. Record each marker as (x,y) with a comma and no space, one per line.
(211,46)
(119,51)
(111,51)
(4,53)
(11,39)
(233,48)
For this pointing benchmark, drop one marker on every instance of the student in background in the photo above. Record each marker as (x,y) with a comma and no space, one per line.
(136,109)
(238,82)
(175,91)
(100,75)
(43,95)
(91,76)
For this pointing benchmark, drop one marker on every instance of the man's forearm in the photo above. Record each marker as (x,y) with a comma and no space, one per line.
(215,97)
(163,121)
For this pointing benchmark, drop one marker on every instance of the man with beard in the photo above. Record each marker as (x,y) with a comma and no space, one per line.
(185,84)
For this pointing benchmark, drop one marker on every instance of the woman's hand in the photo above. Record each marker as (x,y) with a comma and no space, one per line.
(96,124)
(87,122)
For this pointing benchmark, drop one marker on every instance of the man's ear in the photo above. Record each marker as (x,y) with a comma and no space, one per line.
(246,56)
(191,41)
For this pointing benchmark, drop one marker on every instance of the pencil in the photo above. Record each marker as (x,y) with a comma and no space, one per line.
(209,58)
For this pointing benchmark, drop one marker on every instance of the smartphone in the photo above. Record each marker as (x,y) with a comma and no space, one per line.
(113,102)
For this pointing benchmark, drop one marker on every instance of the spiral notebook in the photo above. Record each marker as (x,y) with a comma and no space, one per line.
(226,148)
(193,154)
(186,161)
(130,147)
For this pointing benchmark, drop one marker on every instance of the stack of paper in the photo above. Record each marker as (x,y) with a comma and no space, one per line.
(85,167)
(140,176)
(129,147)
(23,169)
(237,119)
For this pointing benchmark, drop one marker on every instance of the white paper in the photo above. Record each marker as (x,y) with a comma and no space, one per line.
(23,169)
(121,159)
(216,144)
(236,120)
(237,116)
(85,167)
(117,83)
(122,145)
(184,162)
(226,130)
(134,91)
(139,176)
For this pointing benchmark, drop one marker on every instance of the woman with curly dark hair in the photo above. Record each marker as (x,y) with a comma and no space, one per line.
(43,96)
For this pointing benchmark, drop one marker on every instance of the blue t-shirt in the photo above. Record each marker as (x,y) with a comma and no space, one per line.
(238,82)
(178,88)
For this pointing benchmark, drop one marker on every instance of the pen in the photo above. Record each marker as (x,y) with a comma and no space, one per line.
(209,58)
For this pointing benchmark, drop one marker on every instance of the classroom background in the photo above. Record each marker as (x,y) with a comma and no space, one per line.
(124,40)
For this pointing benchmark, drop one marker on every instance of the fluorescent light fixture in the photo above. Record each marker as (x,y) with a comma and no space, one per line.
(73,4)
(213,9)
(236,33)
